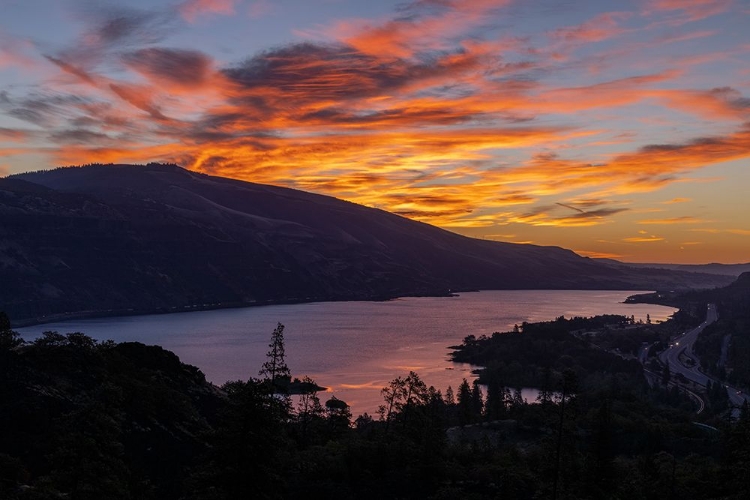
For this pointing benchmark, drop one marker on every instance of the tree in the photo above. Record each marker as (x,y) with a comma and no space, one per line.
(545,391)
(569,388)
(495,404)
(392,394)
(338,413)
(275,370)
(465,405)
(309,408)
(8,338)
(4,322)
(450,399)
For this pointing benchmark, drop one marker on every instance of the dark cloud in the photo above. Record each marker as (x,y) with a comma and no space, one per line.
(12,134)
(539,210)
(110,29)
(44,110)
(575,215)
(309,72)
(71,69)
(136,97)
(704,142)
(602,212)
(79,136)
(116,26)
(732,97)
(317,72)
(28,115)
(394,116)
(186,68)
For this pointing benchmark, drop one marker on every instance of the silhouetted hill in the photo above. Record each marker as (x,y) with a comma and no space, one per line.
(119,238)
(713,268)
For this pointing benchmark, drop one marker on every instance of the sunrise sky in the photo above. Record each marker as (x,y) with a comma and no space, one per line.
(615,129)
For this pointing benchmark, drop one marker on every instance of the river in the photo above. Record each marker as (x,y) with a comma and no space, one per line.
(353,348)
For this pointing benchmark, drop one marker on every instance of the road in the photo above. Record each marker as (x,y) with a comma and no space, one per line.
(681,359)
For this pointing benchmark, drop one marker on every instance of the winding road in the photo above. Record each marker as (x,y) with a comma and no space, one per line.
(680,358)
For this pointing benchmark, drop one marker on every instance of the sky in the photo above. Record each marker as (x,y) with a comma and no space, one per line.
(616,129)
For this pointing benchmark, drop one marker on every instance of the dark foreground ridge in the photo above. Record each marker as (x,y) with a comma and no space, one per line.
(123,239)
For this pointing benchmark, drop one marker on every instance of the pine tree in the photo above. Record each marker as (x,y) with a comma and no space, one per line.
(275,370)
(450,399)
(464,403)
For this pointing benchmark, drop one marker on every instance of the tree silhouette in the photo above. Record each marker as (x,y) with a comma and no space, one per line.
(275,370)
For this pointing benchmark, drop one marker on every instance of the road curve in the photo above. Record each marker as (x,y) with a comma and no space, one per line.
(683,347)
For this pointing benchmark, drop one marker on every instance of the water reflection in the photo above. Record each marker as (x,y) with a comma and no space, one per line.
(353,348)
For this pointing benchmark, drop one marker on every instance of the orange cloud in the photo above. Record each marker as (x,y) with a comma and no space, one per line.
(14,135)
(639,239)
(601,27)
(673,220)
(693,10)
(719,103)
(424,26)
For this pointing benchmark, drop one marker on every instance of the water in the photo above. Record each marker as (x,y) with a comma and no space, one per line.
(353,348)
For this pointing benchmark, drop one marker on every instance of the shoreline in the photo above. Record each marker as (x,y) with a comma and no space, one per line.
(115,313)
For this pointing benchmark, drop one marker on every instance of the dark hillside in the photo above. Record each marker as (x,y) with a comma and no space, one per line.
(119,238)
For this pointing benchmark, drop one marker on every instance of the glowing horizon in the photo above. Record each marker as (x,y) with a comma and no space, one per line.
(621,134)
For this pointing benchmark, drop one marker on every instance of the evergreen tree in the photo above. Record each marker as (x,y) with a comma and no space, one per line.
(464,403)
(495,404)
(545,391)
(450,399)
(275,370)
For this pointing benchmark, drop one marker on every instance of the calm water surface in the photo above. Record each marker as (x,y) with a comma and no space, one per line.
(354,348)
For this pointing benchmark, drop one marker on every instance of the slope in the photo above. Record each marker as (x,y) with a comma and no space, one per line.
(121,239)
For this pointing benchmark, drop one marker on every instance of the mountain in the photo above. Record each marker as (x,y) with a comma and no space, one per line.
(118,239)
(713,268)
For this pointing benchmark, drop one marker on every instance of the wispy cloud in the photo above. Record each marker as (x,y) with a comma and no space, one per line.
(685,219)
(192,10)
(690,10)
(643,239)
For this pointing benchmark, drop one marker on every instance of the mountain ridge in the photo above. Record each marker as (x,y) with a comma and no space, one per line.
(113,239)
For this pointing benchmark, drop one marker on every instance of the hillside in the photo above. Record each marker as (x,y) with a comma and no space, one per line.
(119,239)
(733,270)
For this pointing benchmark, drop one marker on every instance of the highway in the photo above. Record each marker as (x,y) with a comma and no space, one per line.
(681,359)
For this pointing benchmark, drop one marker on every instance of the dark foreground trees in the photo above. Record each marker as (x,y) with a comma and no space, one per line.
(82,419)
